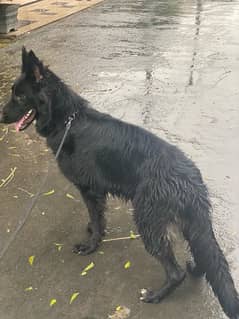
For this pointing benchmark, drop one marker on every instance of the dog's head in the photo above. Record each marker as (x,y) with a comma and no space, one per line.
(29,100)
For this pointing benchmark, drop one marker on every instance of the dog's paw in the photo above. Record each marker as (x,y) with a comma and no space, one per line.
(85,248)
(147,295)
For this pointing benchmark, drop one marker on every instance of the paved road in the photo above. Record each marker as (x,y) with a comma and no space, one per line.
(170,66)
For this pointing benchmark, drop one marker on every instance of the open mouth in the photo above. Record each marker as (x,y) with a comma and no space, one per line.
(25,121)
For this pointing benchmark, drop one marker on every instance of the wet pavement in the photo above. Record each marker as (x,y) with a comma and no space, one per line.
(169,66)
(35,14)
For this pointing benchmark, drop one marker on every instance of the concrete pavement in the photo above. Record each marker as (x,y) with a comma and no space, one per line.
(34,14)
(171,67)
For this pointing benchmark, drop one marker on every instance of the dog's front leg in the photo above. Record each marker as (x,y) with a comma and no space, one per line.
(95,203)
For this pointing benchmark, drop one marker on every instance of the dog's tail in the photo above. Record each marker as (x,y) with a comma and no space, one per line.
(210,259)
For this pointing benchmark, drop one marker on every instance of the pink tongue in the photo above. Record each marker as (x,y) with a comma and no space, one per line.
(19,124)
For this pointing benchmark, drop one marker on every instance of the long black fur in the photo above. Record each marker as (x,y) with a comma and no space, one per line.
(103,155)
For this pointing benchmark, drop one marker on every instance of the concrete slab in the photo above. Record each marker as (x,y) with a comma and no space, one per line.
(33,15)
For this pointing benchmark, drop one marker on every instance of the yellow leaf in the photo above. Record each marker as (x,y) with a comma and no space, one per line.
(118,308)
(132,235)
(87,268)
(70,196)
(59,246)
(84,273)
(52,302)
(101,252)
(127,265)
(49,193)
(28,288)
(74,296)
(31,260)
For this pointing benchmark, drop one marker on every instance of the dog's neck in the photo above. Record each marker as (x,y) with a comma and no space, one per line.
(64,104)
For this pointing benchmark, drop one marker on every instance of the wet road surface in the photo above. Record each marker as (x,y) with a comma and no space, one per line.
(169,66)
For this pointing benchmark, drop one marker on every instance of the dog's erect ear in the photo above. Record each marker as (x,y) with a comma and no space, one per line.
(24,58)
(32,66)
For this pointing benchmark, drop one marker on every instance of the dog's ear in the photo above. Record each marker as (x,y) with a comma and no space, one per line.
(32,66)
(24,58)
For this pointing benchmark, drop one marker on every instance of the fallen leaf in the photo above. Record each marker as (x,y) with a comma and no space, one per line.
(127,265)
(132,235)
(28,288)
(49,193)
(70,196)
(87,268)
(52,302)
(31,260)
(118,308)
(117,208)
(121,312)
(59,246)
(84,273)
(73,297)
(101,252)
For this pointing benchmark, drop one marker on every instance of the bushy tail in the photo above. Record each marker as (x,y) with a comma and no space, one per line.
(210,259)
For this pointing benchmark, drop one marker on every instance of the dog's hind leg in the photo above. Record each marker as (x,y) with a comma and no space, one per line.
(174,273)
(96,206)
(152,223)
(193,268)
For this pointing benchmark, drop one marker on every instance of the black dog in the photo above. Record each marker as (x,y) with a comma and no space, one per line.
(103,155)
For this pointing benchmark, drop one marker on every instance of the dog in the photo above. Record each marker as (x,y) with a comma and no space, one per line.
(102,155)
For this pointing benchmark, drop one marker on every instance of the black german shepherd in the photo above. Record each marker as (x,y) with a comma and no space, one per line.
(103,155)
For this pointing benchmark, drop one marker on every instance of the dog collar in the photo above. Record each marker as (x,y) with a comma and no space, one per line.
(70,118)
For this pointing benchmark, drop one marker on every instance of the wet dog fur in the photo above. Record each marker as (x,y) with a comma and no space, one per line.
(103,155)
